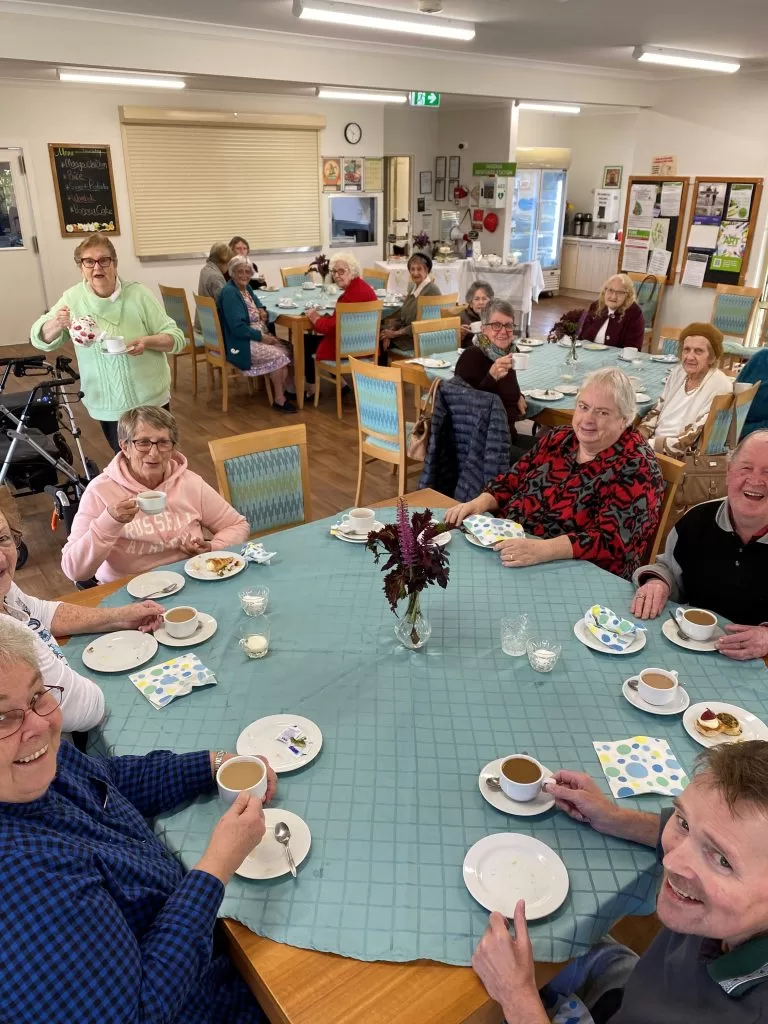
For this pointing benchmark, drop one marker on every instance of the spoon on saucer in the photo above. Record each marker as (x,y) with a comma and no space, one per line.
(283,835)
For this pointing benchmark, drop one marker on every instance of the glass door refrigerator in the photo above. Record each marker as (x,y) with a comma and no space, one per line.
(525,197)
(549,228)
(538,210)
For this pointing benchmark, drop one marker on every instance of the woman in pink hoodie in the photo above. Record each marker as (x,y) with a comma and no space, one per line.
(112,537)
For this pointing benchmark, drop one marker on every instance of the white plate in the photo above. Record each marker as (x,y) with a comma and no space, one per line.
(677,706)
(435,364)
(195,567)
(205,630)
(476,541)
(152,582)
(500,869)
(286,305)
(502,802)
(544,395)
(583,634)
(524,348)
(354,538)
(640,396)
(122,651)
(568,389)
(259,738)
(595,346)
(533,342)
(269,859)
(663,358)
(752,728)
(701,646)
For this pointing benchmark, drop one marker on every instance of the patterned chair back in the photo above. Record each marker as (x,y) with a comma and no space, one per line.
(734,309)
(177,308)
(428,306)
(209,326)
(357,329)
(741,404)
(434,336)
(714,437)
(380,414)
(669,346)
(293,277)
(375,278)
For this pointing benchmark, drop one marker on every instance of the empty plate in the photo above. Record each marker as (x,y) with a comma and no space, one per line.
(269,859)
(503,868)
(121,651)
(520,808)
(544,395)
(153,582)
(260,737)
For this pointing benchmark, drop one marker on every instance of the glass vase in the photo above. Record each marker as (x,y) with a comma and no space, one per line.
(413,629)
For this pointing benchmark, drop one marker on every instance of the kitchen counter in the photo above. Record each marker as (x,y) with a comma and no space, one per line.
(583,238)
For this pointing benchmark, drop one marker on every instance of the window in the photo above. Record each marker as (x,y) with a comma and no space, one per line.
(10,227)
(353,220)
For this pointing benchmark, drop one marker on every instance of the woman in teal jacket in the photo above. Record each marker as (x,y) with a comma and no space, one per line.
(247,341)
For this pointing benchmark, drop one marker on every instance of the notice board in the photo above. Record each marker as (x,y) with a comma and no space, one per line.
(653,224)
(85,190)
(721,229)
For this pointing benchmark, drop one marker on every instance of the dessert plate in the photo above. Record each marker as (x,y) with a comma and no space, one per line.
(503,868)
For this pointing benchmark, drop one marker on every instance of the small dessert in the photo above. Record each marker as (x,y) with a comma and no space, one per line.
(729,724)
(709,724)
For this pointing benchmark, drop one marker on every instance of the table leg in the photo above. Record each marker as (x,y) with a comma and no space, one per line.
(298,327)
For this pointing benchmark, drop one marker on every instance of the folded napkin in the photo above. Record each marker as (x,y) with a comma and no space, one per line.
(253,551)
(640,765)
(489,530)
(610,629)
(160,684)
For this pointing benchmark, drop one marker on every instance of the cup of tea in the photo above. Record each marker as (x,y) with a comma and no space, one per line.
(359,520)
(244,772)
(115,345)
(698,623)
(628,354)
(657,686)
(476,326)
(180,622)
(520,360)
(153,502)
(520,777)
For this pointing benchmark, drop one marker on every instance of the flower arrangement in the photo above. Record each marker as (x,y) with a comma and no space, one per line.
(568,324)
(415,562)
(322,265)
(421,241)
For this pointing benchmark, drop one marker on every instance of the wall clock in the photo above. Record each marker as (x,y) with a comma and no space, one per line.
(353,133)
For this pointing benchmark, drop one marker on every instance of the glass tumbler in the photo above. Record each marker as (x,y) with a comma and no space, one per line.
(514,635)
(254,638)
(543,654)
(254,601)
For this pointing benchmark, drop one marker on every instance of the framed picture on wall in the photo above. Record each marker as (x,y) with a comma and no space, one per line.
(425,183)
(440,167)
(331,174)
(353,174)
(453,183)
(421,205)
(439,190)
(612,177)
(454,167)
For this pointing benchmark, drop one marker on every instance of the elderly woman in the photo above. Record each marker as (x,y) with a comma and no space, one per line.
(488,364)
(676,421)
(591,491)
(125,932)
(82,702)
(240,247)
(245,327)
(397,332)
(479,294)
(113,383)
(615,318)
(111,536)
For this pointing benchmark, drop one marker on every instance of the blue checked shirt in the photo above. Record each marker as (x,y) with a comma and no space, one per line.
(99,922)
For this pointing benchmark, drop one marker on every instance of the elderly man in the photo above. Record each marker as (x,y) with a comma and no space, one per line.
(716,557)
(709,964)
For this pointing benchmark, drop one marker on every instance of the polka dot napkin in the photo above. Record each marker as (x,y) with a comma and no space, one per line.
(640,765)
(162,683)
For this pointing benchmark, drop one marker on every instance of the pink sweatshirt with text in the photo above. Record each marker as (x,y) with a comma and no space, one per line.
(100,546)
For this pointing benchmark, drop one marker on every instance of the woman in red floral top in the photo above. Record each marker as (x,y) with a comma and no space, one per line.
(592,491)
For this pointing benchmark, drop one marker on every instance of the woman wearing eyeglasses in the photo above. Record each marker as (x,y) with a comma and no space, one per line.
(111,536)
(113,383)
(488,362)
(615,319)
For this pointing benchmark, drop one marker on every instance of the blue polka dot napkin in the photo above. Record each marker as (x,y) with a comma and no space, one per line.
(640,765)
(162,683)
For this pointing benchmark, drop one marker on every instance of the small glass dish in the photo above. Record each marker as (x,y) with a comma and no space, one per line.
(543,654)
(254,639)
(254,600)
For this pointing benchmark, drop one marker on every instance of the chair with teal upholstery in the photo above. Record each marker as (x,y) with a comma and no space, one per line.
(433,336)
(357,334)
(177,308)
(714,436)
(294,277)
(733,313)
(265,476)
(741,404)
(382,428)
(428,307)
(669,341)
(375,277)
(215,355)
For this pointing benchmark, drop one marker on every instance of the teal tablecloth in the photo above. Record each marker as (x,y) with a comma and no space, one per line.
(301,297)
(392,800)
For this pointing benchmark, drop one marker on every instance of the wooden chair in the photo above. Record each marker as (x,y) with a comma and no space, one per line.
(294,277)
(734,309)
(215,353)
(265,476)
(428,306)
(382,429)
(375,277)
(177,308)
(432,336)
(669,338)
(714,436)
(357,334)
(672,470)
(653,306)
(741,403)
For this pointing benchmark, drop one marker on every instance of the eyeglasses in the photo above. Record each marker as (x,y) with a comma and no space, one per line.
(615,291)
(497,327)
(43,704)
(339,271)
(89,263)
(144,445)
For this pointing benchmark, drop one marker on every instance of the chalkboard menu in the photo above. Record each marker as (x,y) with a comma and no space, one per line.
(85,191)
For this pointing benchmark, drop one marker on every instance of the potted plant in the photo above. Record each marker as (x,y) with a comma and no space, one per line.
(421,243)
(322,265)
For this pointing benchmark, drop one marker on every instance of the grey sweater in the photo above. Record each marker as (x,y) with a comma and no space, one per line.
(210,283)
(407,313)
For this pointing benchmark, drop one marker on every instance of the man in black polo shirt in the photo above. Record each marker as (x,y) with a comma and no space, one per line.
(709,964)
(716,557)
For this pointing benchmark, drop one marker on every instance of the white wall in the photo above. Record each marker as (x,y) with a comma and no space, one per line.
(412,131)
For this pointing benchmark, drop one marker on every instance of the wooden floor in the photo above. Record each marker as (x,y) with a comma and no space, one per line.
(332,454)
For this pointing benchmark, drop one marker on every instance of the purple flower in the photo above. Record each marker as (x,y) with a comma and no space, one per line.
(408,553)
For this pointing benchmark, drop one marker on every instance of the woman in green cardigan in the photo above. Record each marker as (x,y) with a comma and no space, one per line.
(113,384)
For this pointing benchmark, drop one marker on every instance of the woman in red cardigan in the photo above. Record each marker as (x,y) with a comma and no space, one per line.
(615,319)
(345,271)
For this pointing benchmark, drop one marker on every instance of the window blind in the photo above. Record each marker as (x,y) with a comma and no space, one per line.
(193,185)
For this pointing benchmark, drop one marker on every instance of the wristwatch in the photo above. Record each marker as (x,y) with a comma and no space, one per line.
(217,761)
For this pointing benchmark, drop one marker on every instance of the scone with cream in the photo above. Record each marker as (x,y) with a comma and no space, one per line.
(708,723)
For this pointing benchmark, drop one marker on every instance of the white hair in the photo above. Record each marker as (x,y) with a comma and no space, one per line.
(239,261)
(16,644)
(349,259)
(618,385)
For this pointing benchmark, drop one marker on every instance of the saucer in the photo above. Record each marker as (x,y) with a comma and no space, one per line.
(503,868)
(260,737)
(675,707)
(354,538)
(700,646)
(205,630)
(269,859)
(120,352)
(504,803)
(583,634)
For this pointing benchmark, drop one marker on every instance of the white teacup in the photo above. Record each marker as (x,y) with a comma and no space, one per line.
(476,327)
(229,785)
(180,622)
(359,520)
(520,360)
(115,345)
(657,686)
(152,501)
(520,777)
(628,354)
(697,623)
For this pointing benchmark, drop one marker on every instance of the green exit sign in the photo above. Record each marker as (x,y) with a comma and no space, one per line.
(424,99)
(501,170)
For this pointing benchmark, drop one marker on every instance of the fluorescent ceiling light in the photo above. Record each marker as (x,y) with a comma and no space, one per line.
(366,97)
(684,59)
(384,20)
(117,78)
(552,108)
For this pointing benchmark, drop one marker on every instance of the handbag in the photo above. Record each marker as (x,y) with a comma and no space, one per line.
(418,442)
(703,480)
